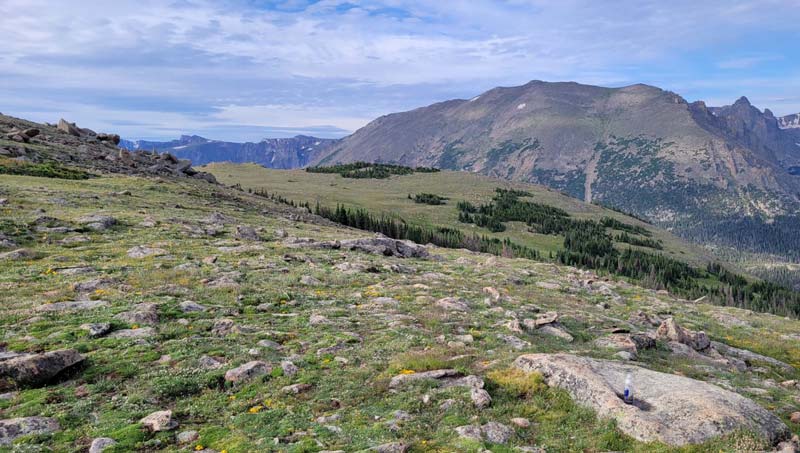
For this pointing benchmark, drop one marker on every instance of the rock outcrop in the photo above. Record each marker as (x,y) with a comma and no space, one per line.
(67,143)
(37,369)
(379,245)
(668,408)
(16,427)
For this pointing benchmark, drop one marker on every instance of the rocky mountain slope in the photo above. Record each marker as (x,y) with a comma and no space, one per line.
(638,148)
(292,152)
(30,148)
(151,313)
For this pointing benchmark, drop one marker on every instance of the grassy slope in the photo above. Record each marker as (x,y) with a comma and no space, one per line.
(390,196)
(124,380)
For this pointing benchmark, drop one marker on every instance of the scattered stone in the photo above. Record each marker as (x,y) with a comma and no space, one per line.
(69,128)
(392,447)
(493,432)
(19,254)
(289,368)
(144,332)
(247,371)
(92,285)
(189,306)
(513,325)
(309,281)
(185,437)
(77,305)
(10,429)
(521,422)
(146,313)
(470,432)
(100,444)
(749,356)
(113,138)
(497,433)
(452,304)
(402,379)
(795,417)
(97,329)
(78,270)
(480,398)
(269,344)
(626,355)
(38,369)
(379,245)
(209,363)
(316,320)
(669,330)
(546,318)
(493,295)
(386,301)
(668,408)
(515,342)
(556,330)
(548,285)
(142,251)
(296,389)
(643,319)
(631,343)
(222,327)
(76,239)
(159,421)
(247,233)
(97,222)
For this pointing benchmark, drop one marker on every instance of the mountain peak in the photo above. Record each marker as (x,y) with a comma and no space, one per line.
(743,101)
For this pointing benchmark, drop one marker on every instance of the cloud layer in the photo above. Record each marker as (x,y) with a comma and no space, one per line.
(244,69)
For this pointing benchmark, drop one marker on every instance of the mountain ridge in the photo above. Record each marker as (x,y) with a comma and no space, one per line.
(692,167)
(281,153)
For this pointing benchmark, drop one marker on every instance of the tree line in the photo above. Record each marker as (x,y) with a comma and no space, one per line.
(367,170)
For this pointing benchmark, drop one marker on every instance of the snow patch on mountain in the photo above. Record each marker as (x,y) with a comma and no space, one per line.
(789,121)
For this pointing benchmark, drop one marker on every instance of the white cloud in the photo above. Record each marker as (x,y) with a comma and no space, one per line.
(340,63)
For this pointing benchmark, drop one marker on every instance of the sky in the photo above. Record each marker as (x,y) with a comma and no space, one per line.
(242,70)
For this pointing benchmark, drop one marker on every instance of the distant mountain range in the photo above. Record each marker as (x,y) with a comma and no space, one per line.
(271,152)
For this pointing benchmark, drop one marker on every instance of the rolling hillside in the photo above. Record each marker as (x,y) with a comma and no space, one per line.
(390,196)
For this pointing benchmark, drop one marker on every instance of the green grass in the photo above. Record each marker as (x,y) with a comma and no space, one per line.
(46,170)
(389,196)
(124,380)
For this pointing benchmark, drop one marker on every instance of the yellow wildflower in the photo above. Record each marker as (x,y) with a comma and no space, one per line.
(199,447)
(255,409)
(406,371)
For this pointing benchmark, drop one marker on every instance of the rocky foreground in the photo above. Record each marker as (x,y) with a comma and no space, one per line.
(176,315)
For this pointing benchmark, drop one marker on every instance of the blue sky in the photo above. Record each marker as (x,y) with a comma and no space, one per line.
(246,69)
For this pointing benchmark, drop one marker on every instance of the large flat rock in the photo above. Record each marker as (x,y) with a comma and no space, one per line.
(672,409)
(16,427)
(38,369)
